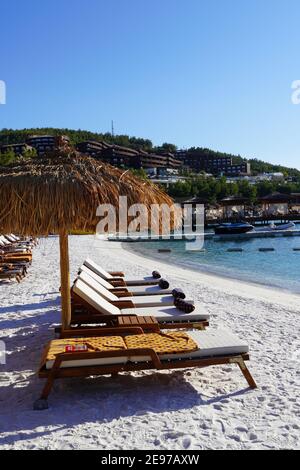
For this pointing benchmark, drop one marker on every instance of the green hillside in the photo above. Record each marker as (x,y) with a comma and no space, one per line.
(11,136)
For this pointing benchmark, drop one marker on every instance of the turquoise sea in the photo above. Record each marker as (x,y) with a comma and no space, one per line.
(280,268)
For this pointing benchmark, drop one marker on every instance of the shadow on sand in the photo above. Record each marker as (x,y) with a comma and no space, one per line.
(80,401)
(97,400)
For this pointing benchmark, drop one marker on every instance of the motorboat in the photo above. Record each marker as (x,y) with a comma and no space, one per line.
(276,228)
(233,228)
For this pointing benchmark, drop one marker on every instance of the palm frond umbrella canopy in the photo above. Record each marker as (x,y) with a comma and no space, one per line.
(60,193)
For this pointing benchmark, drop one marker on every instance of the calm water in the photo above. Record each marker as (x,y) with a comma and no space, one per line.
(280,268)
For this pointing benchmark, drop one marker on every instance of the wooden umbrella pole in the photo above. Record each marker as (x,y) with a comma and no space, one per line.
(65,279)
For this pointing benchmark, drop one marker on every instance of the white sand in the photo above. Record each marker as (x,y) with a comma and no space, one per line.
(195,409)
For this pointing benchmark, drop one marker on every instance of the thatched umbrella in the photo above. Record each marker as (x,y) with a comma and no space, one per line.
(60,193)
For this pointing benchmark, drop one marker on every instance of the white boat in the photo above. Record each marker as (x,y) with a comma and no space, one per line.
(276,228)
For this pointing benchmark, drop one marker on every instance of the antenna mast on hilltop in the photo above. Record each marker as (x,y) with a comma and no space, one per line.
(112,129)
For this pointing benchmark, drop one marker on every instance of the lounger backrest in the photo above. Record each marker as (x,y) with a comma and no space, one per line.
(98,270)
(4,241)
(97,278)
(90,296)
(85,277)
(14,237)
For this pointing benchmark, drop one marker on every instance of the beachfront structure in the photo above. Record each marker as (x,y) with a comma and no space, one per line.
(276,204)
(18,149)
(253,180)
(171,161)
(199,162)
(45,143)
(92,148)
(295,203)
(124,157)
(234,207)
(214,213)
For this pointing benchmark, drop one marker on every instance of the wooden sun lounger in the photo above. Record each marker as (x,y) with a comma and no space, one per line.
(89,308)
(9,274)
(119,280)
(9,245)
(120,359)
(15,241)
(15,265)
(14,251)
(120,298)
(15,258)
(109,323)
(121,288)
(84,314)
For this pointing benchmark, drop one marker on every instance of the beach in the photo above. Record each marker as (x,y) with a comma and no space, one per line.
(189,409)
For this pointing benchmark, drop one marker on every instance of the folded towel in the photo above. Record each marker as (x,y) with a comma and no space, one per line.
(163,284)
(178,294)
(184,306)
(156,275)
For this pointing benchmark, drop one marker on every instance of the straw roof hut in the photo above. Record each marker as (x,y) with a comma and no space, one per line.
(61,192)
(276,204)
(276,198)
(197,200)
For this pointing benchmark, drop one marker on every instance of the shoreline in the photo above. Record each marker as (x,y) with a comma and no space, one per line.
(214,273)
(247,289)
(190,408)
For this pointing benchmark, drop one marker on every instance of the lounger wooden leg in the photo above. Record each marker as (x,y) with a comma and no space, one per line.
(245,371)
(42,402)
(200,327)
(47,388)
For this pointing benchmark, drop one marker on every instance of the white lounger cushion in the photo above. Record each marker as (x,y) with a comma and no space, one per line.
(108,277)
(90,362)
(150,301)
(136,290)
(169,314)
(4,240)
(14,237)
(213,343)
(98,270)
(142,301)
(95,276)
(95,300)
(17,249)
(13,248)
(149,290)
(91,282)
(160,313)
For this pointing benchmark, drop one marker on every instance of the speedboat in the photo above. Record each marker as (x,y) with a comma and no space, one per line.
(233,228)
(275,228)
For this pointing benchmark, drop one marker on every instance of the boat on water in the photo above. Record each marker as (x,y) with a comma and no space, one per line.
(233,228)
(277,228)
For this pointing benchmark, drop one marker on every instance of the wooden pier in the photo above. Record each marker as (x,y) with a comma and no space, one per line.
(207,236)
(256,221)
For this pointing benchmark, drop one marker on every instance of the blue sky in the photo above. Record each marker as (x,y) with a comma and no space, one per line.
(214,73)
